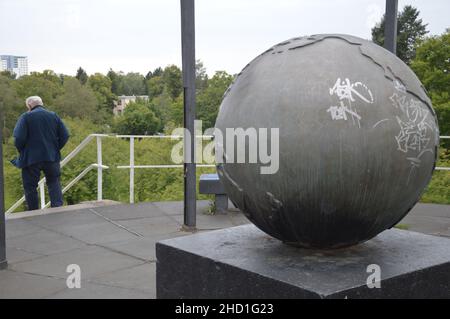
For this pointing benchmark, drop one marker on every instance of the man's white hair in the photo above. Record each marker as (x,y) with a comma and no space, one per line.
(33,101)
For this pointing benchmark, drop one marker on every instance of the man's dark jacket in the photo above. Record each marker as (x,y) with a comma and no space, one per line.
(39,136)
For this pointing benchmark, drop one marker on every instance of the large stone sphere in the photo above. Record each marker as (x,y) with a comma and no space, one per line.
(358,140)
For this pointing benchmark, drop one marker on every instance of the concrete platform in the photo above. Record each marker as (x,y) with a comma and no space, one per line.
(115,246)
(244,262)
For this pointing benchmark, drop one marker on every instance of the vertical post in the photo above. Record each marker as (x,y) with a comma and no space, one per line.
(131,170)
(3,262)
(42,193)
(390,26)
(99,169)
(188,57)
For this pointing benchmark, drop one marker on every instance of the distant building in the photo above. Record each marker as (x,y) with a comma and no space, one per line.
(124,100)
(14,64)
(3,65)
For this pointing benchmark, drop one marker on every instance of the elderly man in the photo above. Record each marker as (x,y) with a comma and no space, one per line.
(39,136)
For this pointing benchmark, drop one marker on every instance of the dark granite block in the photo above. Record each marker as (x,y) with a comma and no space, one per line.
(243,262)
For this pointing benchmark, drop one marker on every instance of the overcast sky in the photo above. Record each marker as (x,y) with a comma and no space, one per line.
(140,35)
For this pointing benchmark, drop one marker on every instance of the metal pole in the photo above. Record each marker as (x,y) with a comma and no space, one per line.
(3,262)
(131,170)
(99,169)
(390,26)
(188,57)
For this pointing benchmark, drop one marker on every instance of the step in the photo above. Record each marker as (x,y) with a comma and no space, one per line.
(63,209)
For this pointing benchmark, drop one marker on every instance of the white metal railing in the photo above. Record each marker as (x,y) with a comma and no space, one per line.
(132,167)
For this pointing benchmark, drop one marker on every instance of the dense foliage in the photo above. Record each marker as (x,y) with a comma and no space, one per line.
(432,66)
(85,103)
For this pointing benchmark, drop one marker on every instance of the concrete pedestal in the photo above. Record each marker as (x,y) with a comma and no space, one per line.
(244,262)
(221,203)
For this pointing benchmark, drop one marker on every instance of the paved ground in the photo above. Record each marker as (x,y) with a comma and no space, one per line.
(114,246)
(429,219)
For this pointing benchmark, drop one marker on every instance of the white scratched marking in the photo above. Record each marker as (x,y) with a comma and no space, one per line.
(340,112)
(398,85)
(417,128)
(347,92)
(379,122)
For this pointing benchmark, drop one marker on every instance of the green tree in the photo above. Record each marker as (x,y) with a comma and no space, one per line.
(158,71)
(155,86)
(11,106)
(149,75)
(432,66)
(81,76)
(132,84)
(176,116)
(115,80)
(50,76)
(410,29)
(209,100)
(137,119)
(77,101)
(161,106)
(201,78)
(101,85)
(173,81)
(9,74)
(47,85)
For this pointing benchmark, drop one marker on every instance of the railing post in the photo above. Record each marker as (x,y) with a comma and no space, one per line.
(99,169)
(42,194)
(131,170)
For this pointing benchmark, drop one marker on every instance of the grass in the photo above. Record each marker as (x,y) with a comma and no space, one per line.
(402,226)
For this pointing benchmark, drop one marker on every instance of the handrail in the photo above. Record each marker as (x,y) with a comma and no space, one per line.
(67,159)
(100,167)
(80,147)
(163,136)
(162,166)
(78,178)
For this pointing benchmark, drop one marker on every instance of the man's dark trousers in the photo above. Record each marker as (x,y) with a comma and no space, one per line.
(31,175)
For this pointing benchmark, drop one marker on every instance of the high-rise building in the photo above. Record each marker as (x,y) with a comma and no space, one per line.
(14,64)
(3,65)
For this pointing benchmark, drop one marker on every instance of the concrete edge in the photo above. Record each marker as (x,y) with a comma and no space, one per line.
(63,209)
